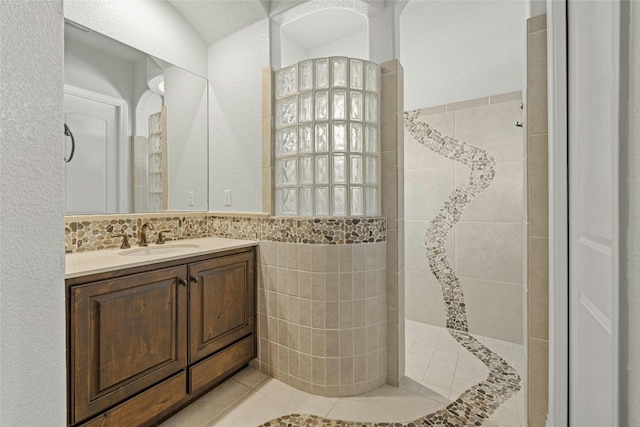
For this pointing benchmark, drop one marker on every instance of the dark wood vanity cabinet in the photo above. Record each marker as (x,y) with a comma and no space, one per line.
(144,343)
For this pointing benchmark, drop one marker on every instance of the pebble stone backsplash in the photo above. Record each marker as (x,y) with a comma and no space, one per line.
(95,233)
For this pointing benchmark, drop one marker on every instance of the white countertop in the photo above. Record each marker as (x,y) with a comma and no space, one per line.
(91,262)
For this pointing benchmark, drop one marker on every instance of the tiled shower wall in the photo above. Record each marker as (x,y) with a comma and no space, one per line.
(322,316)
(486,246)
(537,218)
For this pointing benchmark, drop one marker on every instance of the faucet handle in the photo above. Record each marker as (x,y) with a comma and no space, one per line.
(161,240)
(125,240)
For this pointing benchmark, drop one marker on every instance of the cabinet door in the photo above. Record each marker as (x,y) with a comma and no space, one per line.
(221,303)
(126,334)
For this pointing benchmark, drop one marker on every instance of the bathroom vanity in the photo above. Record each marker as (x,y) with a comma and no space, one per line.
(151,329)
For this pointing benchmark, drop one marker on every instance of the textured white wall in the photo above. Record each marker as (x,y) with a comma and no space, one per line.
(32,313)
(154,27)
(353,46)
(235,118)
(458,50)
(630,191)
(291,52)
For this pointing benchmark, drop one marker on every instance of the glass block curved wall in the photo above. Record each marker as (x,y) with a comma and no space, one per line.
(326,142)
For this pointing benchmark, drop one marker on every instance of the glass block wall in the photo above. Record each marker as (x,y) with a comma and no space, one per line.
(327,138)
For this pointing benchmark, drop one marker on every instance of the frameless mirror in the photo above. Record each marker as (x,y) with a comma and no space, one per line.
(140,129)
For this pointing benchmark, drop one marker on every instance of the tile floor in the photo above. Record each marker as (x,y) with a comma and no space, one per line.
(438,369)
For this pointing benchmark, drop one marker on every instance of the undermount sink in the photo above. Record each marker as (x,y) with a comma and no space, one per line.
(160,250)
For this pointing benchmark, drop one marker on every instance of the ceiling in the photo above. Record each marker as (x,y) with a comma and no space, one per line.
(214,20)
(311,31)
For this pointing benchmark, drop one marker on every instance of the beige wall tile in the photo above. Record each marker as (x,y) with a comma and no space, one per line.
(266,143)
(319,370)
(304,257)
(292,256)
(538,181)
(346,286)
(359,285)
(318,342)
(400,147)
(333,343)
(267,91)
(346,370)
(502,201)
(490,251)
(372,257)
(538,279)
(390,66)
(332,287)
(426,190)
(360,341)
(317,258)
(359,257)
(305,310)
(537,23)
(538,381)
(346,314)
(492,128)
(424,302)
(346,258)
(388,109)
(494,309)
(393,260)
(292,282)
(506,97)
(416,155)
(465,105)
(438,109)
(332,309)
(371,279)
(305,342)
(372,338)
(267,195)
(294,340)
(294,364)
(294,314)
(333,371)
(318,314)
(332,258)
(537,83)
(346,342)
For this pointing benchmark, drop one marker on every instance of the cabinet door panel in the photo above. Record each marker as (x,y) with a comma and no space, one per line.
(221,303)
(127,334)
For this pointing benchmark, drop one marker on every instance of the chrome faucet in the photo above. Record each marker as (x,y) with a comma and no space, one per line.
(143,234)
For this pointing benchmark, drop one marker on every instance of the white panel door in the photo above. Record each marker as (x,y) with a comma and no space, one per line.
(91,177)
(593,64)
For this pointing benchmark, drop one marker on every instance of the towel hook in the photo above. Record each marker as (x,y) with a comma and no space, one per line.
(67,132)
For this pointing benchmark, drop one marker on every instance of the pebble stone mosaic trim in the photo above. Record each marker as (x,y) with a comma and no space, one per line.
(476,404)
(96,234)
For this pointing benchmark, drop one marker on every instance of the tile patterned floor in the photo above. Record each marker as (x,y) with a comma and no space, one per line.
(438,370)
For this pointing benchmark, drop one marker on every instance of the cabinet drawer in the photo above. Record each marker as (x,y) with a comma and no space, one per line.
(219,365)
(142,408)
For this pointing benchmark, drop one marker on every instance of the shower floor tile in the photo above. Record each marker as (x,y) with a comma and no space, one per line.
(438,371)
(469,370)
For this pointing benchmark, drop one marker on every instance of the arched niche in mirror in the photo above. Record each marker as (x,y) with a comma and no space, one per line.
(326,32)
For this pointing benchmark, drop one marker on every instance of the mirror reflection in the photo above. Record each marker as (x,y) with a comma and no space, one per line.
(140,129)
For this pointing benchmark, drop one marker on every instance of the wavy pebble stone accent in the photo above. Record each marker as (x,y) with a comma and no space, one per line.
(476,404)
